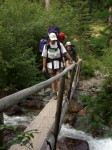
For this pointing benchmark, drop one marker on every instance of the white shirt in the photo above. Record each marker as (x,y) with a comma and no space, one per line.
(53,54)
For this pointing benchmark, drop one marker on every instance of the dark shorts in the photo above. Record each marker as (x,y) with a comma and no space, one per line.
(54,71)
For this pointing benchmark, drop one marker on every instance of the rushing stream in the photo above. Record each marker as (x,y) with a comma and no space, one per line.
(94,143)
(66,131)
(18,120)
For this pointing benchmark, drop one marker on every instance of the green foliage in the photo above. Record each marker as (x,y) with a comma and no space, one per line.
(19,38)
(102,15)
(22,25)
(87,69)
(106,66)
(100,107)
(99,45)
(22,138)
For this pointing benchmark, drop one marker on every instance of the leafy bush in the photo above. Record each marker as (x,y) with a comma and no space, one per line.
(87,69)
(100,107)
(21,138)
(19,39)
(22,25)
(99,44)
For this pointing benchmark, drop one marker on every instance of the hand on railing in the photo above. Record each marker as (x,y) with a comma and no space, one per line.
(72,62)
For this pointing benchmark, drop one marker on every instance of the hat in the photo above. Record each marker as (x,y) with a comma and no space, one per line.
(68,43)
(52,36)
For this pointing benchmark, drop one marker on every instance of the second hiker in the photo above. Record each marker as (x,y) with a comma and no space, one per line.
(52,55)
(73,53)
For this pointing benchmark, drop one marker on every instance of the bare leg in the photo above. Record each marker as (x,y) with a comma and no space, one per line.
(69,72)
(54,84)
(57,81)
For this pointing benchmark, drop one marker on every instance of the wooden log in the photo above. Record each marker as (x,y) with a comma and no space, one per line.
(71,81)
(58,110)
(23,94)
(1,131)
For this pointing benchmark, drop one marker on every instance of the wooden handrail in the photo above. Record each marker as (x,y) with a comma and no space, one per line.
(19,96)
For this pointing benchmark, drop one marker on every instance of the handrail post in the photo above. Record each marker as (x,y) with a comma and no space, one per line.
(59,108)
(76,78)
(76,75)
(71,81)
(1,131)
(79,69)
(78,72)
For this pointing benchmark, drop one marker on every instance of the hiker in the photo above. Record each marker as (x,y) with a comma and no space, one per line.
(52,29)
(52,59)
(72,52)
(61,37)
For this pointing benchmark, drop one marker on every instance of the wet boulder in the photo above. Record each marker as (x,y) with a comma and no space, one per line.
(9,134)
(13,110)
(72,144)
(34,104)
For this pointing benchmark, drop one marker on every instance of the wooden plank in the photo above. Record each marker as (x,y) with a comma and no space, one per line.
(44,123)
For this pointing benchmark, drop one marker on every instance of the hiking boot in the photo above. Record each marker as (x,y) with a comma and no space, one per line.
(54,96)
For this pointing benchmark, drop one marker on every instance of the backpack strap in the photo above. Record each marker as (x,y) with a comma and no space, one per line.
(59,46)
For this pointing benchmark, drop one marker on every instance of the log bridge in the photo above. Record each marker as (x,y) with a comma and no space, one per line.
(49,120)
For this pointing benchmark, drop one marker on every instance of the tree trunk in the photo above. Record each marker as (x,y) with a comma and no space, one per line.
(110,16)
(47,3)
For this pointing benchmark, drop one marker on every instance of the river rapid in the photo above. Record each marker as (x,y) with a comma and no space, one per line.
(94,143)
(66,131)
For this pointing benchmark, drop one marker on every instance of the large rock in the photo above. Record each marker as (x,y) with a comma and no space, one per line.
(83,112)
(76,122)
(9,135)
(92,85)
(34,104)
(74,107)
(14,110)
(73,120)
(72,144)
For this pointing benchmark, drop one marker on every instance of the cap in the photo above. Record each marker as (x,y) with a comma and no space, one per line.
(52,36)
(68,43)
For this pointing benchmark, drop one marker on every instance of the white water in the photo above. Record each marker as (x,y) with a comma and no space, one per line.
(18,120)
(94,144)
(66,131)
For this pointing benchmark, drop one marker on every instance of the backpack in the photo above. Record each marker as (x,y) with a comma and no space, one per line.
(42,43)
(53,29)
(61,37)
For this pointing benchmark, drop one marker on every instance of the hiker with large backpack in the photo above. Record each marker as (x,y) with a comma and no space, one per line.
(52,29)
(60,35)
(52,54)
(73,53)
